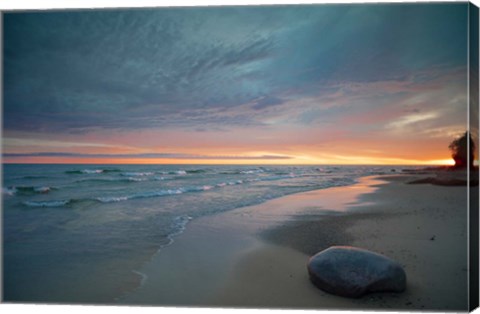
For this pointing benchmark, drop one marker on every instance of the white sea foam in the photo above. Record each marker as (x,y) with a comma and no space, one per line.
(136,174)
(157,178)
(252,171)
(112,199)
(143,277)
(42,189)
(149,194)
(179,224)
(281,177)
(136,179)
(9,191)
(175,172)
(91,171)
(25,190)
(46,203)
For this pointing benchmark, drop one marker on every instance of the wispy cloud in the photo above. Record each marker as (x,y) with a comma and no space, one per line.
(8,141)
(406,121)
(143,156)
(82,71)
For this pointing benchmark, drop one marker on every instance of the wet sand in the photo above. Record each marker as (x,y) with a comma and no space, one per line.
(256,256)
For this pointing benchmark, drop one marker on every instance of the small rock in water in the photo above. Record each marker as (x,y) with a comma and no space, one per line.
(353,272)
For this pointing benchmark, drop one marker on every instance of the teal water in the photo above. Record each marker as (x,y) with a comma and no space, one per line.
(78,233)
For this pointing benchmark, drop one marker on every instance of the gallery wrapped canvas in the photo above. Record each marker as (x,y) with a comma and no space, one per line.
(315,156)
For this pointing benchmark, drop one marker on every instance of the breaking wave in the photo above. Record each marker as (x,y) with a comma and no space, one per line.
(47,203)
(14,190)
(92,171)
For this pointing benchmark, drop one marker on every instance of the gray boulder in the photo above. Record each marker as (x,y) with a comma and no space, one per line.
(353,272)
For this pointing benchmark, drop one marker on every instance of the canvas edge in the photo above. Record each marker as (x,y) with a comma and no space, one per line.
(473,126)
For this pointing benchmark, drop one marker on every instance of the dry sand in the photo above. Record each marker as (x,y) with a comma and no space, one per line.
(256,256)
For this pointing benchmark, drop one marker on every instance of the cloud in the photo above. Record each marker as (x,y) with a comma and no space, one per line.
(19,142)
(83,71)
(143,156)
(266,102)
(354,106)
(406,121)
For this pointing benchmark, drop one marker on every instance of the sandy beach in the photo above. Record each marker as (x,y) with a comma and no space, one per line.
(256,256)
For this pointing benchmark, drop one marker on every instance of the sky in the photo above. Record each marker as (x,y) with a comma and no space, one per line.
(302,84)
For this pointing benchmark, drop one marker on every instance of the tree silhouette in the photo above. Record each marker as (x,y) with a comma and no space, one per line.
(462,151)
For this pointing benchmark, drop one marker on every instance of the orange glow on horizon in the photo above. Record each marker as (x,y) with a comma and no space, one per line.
(444,162)
(237,146)
(342,160)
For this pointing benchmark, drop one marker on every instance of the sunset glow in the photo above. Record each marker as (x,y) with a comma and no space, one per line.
(234,160)
(248,85)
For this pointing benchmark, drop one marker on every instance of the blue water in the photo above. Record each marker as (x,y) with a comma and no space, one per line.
(77,233)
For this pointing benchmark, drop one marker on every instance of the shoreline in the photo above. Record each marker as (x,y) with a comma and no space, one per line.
(256,256)
(227,236)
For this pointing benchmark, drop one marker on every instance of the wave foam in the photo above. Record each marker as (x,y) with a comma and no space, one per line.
(162,178)
(280,177)
(9,191)
(179,224)
(47,203)
(196,171)
(12,190)
(134,179)
(252,171)
(111,199)
(42,189)
(91,171)
(136,174)
(178,172)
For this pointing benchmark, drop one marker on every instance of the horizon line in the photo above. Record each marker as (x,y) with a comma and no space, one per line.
(229,164)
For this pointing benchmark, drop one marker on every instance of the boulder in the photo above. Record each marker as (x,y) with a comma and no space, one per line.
(353,272)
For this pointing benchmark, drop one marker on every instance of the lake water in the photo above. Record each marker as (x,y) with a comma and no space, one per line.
(79,233)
